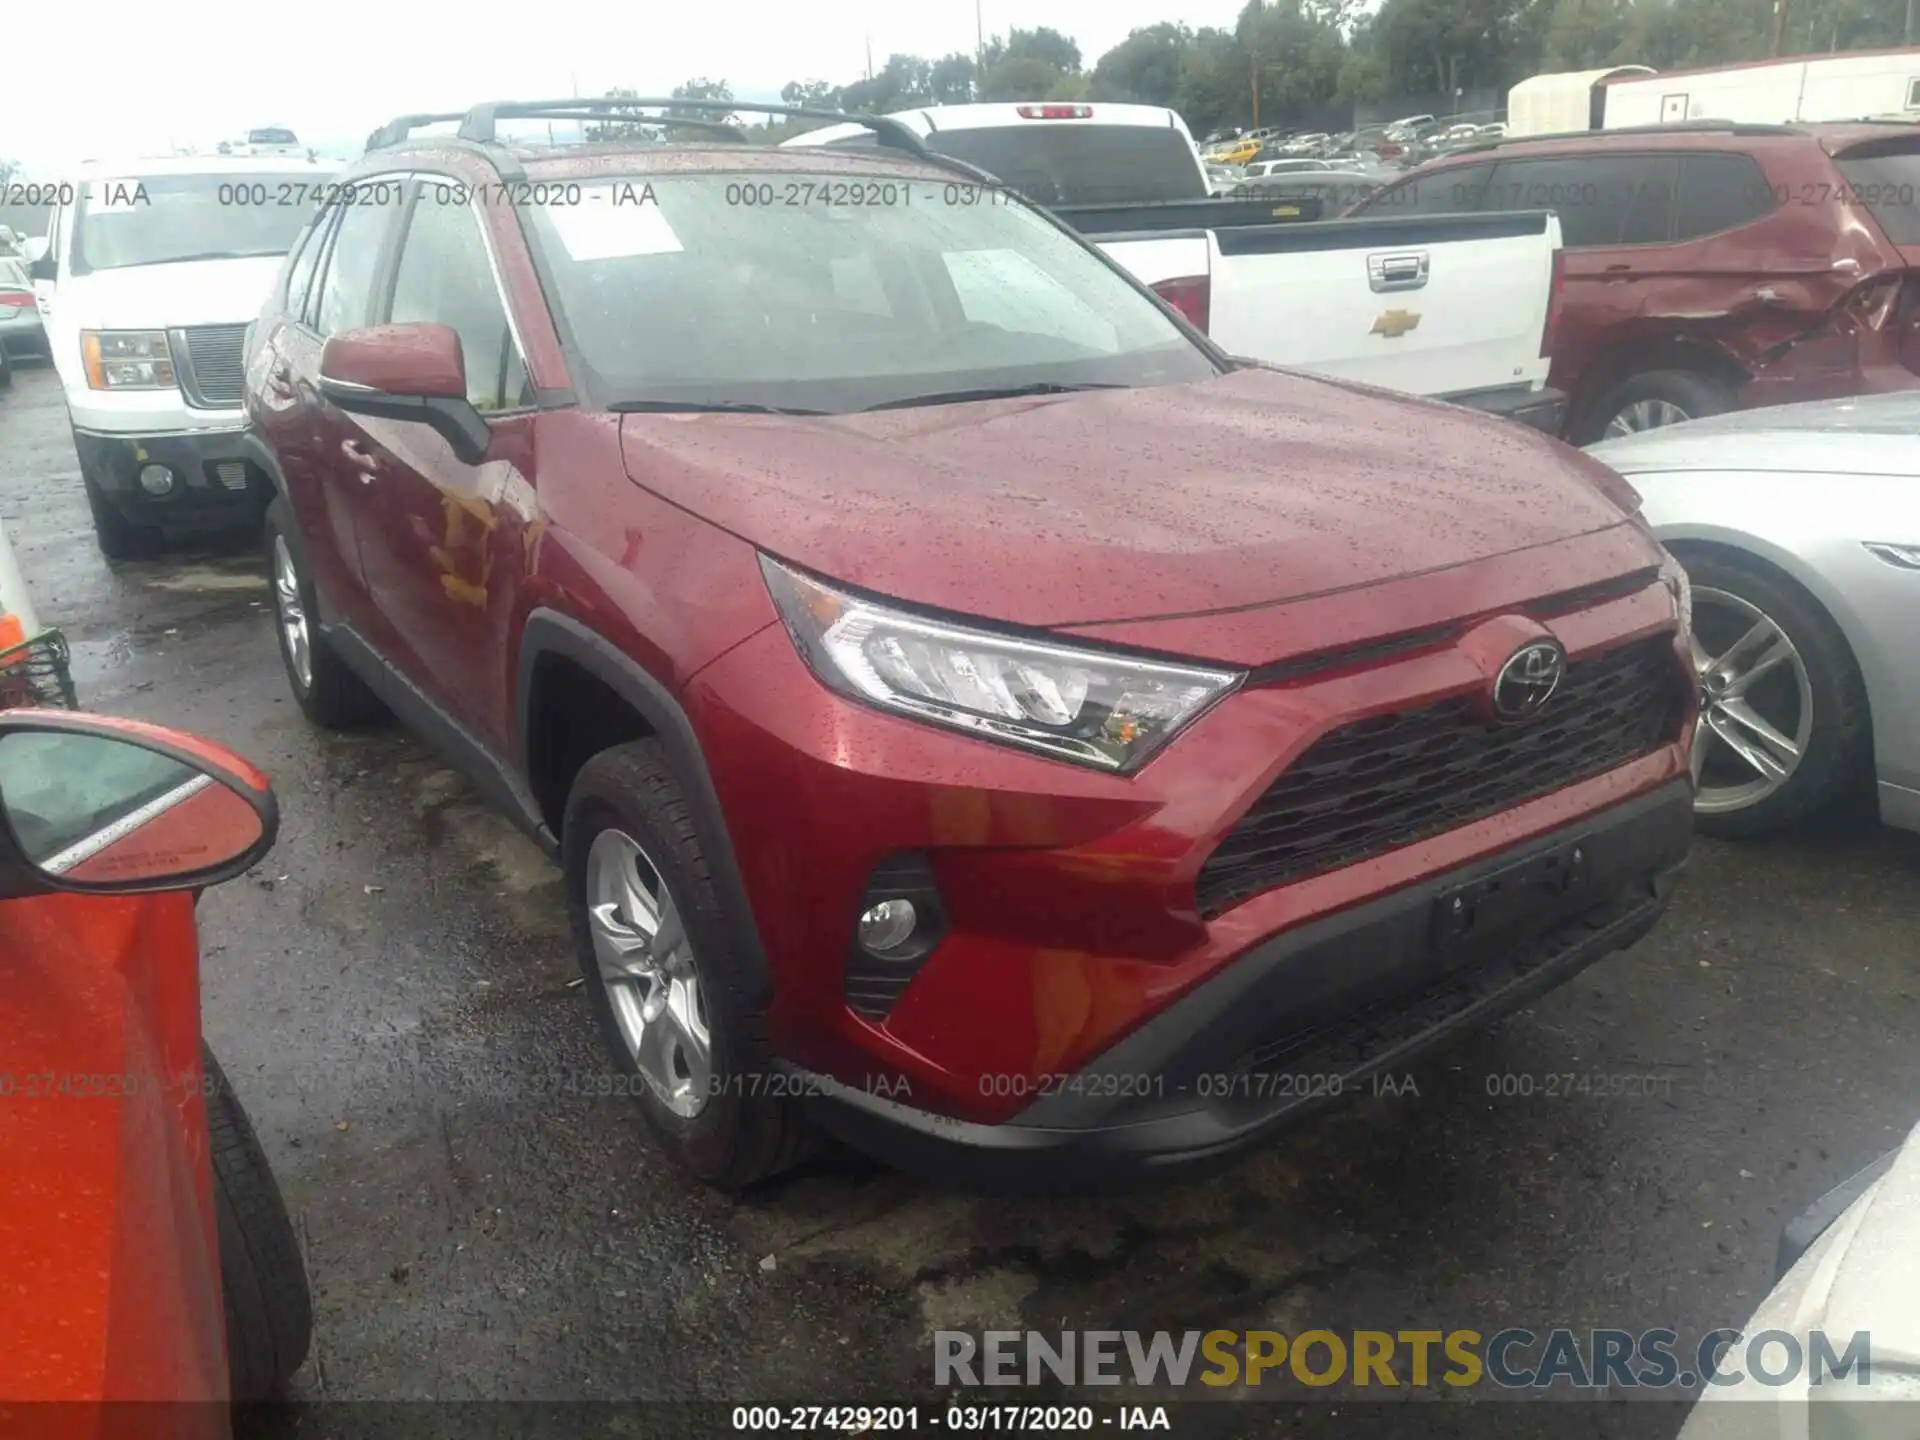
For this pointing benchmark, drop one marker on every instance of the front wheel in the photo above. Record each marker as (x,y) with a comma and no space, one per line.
(667,985)
(264,1282)
(1783,721)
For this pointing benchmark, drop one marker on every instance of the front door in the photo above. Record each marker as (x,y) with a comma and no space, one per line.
(446,549)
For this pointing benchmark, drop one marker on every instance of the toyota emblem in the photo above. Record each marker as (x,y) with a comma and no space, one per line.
(1528,680)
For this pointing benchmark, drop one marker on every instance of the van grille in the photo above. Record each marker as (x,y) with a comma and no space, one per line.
(214,377)
(1393,780)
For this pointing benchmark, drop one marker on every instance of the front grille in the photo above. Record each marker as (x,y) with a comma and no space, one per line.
(214,376)
(1392,780)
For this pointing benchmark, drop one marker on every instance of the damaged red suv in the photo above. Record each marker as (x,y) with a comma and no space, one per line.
(1710,266)
(969,708)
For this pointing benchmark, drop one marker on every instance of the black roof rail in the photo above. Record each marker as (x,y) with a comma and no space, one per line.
(480,123)
(1674,127)
(397,129)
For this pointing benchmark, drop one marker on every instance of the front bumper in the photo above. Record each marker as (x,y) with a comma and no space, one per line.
(1544,409)
(1298,1022)
(217,480)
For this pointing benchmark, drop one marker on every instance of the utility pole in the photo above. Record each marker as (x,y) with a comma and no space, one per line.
(1780,24)
(869,56)
(1254,66)
(1910,17)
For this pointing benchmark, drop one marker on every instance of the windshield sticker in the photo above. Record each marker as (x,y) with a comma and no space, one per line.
(110,195)
(606,225)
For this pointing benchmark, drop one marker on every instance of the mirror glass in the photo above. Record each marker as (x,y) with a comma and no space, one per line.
(101,810)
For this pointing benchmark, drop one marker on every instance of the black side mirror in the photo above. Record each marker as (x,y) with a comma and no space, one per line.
(45,268)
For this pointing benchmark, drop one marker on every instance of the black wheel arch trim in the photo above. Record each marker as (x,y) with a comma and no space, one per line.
(549,632)
(262,455)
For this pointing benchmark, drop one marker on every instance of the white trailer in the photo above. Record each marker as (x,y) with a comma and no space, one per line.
(1877,84)
(1571,100)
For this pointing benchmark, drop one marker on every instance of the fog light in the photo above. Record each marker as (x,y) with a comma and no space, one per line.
(156,479)
(888,925)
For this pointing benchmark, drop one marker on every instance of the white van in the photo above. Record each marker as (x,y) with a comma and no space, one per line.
(148,277)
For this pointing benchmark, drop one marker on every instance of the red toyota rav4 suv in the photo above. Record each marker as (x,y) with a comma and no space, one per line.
(967,706)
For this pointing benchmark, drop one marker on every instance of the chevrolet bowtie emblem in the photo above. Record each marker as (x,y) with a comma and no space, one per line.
(1395,323)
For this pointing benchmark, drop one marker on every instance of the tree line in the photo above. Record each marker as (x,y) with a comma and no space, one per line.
(1300,57)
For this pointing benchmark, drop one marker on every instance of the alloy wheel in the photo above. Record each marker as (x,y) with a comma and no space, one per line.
(1644,415)
(647,965)
(1756,704)
(292,613)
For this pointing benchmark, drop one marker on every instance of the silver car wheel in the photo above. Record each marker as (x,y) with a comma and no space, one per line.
(646,963)
(292,613)
(1756,705)
(1644,415)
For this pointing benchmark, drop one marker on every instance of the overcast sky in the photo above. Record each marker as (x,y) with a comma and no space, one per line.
(113,77)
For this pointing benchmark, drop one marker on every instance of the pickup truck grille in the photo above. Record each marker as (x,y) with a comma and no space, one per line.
(214,377)
(1392,780)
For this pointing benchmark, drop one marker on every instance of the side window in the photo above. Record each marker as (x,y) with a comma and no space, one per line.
(300,273)
(346,290)
(444,278)
(1458,191)
(1649,217)
(1718,192)
(1597,197)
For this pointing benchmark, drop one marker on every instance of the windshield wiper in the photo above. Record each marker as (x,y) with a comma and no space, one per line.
(1000,392)
(721,407)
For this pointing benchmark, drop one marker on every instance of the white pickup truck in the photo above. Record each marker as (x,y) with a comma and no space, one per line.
(1455,307)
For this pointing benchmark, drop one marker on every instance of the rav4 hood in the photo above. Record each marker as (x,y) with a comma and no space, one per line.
(1251,488)
(157,297)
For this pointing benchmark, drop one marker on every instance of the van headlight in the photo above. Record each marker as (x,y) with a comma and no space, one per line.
(1091,707)
(127,359)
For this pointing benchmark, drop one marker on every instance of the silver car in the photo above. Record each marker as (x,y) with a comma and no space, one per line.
(1799,526)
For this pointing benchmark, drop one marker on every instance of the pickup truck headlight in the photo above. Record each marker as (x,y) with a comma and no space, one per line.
(1091,707)
(127,359)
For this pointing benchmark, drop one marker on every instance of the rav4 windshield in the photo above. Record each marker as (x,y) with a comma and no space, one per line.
(155,219)
(836,293)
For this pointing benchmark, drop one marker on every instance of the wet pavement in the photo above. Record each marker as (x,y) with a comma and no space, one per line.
(390,995)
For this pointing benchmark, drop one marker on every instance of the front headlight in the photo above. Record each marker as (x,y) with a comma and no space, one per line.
(127,359)
(1089,706)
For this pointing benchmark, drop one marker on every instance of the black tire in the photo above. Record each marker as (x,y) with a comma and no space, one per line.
(1838,745)
(269,1308)
(742,1135)
(334,698)
(1694,394)
(6,370)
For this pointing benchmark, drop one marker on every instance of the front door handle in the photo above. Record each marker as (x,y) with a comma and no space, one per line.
(362,459)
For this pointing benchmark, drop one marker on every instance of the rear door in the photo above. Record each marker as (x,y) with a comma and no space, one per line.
(282,405)
(342,295)
(1617,223)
